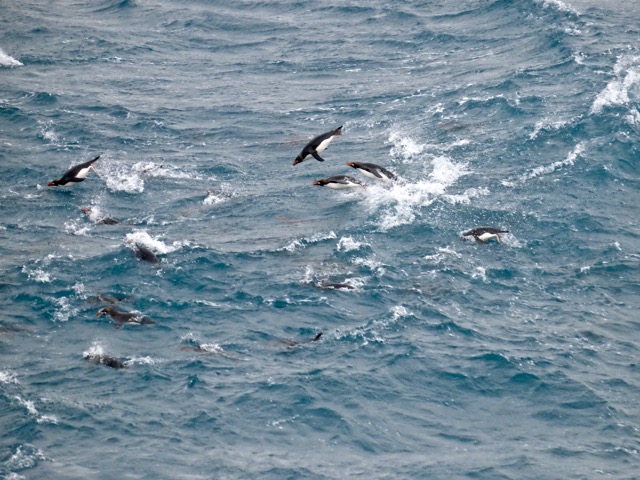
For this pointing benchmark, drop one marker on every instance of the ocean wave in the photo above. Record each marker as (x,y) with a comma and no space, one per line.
(623,89)
(547,169)
(373,331)
(301,243)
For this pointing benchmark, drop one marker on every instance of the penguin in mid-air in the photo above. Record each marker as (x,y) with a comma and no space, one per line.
(316,146)
(339,182)
(484,234)
(75,174)
(374,171)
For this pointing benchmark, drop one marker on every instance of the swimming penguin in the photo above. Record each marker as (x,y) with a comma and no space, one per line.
(339,182)
(484,234)
(107,360)
(75,175)
(120,318)
(292,343)
(210,349)
(103,220)
(374,171)
(144,254)
(316,146)
(106,298)
(336,285)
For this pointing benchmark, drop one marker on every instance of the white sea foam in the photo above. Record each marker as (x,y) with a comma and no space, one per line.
(152,169)
(624,88)
(37,274)
(211,348)
(64,310)
(348,244)
(480,272)
(7,377)
(221,195)
(546,125)
(404,146)
(95,214)
(376,266)
(30,406)
(442,254)
(14,476)
(400,202)
(142,361)
(465,197)
(141,237)
(26,456)
(372,331)
(633,118)
(95,350)
(559,6)
(303,242)
(8,60)
(546,169)
(74,227)
(121,178)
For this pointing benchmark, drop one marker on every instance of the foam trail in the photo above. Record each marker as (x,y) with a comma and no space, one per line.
(8,60)
(400,202)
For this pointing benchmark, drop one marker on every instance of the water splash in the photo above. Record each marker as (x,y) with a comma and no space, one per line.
(8,60)
(141,237)
(400,203)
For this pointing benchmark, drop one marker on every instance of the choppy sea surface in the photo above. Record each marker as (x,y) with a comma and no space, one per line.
(440,357)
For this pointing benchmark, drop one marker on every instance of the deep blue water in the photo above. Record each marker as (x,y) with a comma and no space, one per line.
(447,359)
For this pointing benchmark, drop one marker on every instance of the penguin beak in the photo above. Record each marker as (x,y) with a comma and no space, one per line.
(295,162)
(317,182)
(101,312)
(53,183)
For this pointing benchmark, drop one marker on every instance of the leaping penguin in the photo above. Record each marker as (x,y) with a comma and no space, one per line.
(374,171)
(316,146)
(484,234)
(339,182)
(75,174)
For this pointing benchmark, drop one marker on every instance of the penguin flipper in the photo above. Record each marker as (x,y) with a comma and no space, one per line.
(315,155)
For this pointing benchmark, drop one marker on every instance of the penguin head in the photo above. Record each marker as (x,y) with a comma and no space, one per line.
(106,311)
(298,160)
(54,183)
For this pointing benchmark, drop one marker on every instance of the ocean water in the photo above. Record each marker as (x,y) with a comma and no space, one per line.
(442,358)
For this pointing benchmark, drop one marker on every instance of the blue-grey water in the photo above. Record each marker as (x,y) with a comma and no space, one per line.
(445,359)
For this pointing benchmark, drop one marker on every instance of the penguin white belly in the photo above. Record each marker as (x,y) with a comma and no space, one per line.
(369,174)
(485,237)
(83,173)
(324,145)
